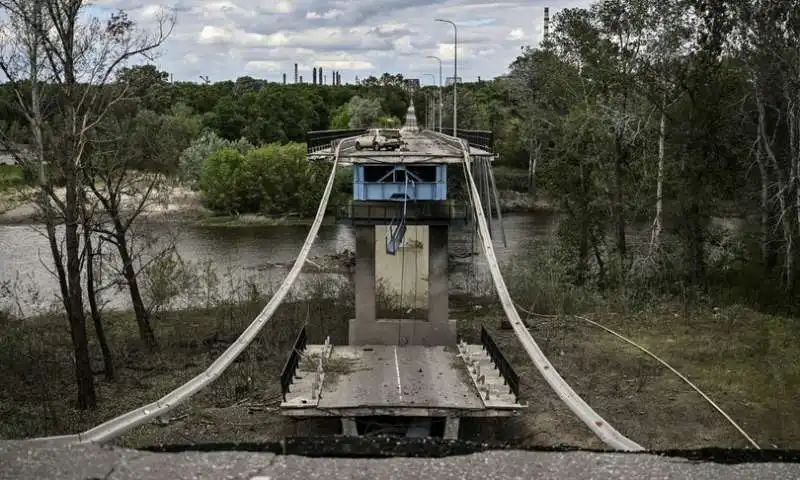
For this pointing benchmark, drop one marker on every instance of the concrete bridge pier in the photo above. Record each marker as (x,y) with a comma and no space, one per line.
(405,277)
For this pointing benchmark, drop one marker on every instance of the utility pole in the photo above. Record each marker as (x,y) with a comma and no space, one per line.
(455,74)
(441,103)
(431,106)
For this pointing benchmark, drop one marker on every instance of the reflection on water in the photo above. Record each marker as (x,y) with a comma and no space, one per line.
(245,253)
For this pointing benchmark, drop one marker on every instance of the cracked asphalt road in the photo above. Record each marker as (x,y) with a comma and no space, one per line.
(47,460)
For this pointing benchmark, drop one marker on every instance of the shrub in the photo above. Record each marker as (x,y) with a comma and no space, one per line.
(274,179)
(220,181)
(201,149)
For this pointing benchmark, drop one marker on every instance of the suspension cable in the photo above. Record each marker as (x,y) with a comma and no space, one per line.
(118,426)
(595,422)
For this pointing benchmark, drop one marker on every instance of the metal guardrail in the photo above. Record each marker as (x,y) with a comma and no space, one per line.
(417,211)
(483,139)
(321,139)
(508,373)
(289,369)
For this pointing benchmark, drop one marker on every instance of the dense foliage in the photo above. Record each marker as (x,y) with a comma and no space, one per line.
(666,111)
(273,179)
(670,111)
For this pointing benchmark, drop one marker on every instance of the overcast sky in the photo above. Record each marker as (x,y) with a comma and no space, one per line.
(226,39)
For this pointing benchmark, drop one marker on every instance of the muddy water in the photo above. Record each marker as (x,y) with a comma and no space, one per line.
(240,254)
(258,255)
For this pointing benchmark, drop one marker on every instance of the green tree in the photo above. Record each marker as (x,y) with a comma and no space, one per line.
(364,112)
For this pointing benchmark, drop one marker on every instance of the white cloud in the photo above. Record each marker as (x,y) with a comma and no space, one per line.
(211,35)
(446,51)
(261,65)
(153,11)
(225,39)
(281,6)
(329,15)
(516,34)
(404,45)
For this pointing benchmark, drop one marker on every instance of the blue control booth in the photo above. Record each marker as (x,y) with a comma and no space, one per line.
(400,182)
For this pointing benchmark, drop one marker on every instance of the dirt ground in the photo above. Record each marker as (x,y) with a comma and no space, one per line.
(749,363)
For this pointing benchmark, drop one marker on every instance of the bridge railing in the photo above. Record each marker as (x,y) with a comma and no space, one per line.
(483,139)
(290,368)
(508,373)
(317,140)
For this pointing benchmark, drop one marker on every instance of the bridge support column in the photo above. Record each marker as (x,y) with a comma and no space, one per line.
(438,286)
(364,282)
(436,329)
(451,427)
(349,428)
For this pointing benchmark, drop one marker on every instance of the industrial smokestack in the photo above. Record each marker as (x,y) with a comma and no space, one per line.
(546,24)
(295,73)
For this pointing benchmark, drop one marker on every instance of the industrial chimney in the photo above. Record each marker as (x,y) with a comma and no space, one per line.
(546,24)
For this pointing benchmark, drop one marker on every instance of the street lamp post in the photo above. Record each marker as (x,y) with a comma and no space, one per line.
(431,107)
(455,74)
(441,105)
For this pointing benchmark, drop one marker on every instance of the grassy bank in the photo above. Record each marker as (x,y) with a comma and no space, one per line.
(10,177)
(39,381)
(748,362)
(186,206)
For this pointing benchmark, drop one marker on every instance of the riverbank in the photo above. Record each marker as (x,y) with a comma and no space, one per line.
(179,204)
(746,361)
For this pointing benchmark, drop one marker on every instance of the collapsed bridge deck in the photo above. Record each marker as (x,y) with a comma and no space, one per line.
(417,381)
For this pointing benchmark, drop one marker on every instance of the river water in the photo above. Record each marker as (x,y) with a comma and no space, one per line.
(245,257)
(242,254)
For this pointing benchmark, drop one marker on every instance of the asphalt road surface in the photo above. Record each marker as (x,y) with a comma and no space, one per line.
(41,460)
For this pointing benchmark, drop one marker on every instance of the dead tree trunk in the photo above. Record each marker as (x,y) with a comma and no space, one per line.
(533,159)
(619,204)
(91,292)
(782,194)
(87,398)
(146,334)
(658,221)
(768,253)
